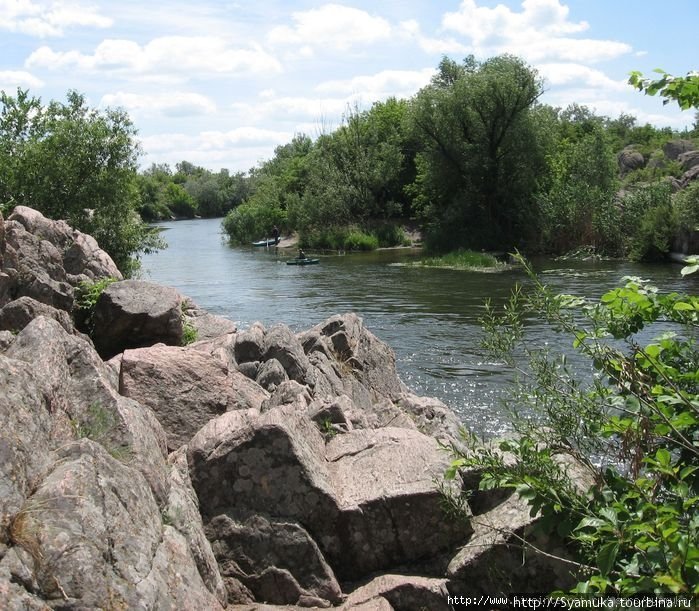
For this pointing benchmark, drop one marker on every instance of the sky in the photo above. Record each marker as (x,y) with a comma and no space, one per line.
(221,84)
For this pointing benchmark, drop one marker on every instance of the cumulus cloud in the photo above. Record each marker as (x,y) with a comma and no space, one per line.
(168,58)
(398,83)
(577,75)
(237,149)
(52,18)
(332,26)
(171,104)
(541,31)
(10,80)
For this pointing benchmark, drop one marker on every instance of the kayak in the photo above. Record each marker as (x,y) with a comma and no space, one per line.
(268,242)
(305,261)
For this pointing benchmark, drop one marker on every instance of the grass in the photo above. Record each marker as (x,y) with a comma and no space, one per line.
(463,259)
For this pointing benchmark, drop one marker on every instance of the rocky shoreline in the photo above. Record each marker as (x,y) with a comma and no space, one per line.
(249,469)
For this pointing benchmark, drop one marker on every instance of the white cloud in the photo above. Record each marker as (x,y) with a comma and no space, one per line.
(577,75)
(172,103)
(540,32)
(166,59)
(331,26)
(10,80)
(237,149)
(51,18)
(398,83)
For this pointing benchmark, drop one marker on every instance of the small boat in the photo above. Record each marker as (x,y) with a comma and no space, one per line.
(305,261)
(266,242)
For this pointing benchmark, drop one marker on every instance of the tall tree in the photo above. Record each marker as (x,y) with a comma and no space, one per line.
(479,151)
(76,163)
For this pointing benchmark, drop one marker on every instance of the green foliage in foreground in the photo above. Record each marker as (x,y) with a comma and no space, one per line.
(682,89)
(633,426)
(461,259)
(86,296)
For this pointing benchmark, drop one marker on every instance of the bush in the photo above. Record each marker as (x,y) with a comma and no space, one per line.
(633,425)
(359,240)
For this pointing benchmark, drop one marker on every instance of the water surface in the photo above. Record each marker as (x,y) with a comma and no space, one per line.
(428,316)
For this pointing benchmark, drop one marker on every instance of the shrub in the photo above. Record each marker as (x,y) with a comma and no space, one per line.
(633,425)
(359,240)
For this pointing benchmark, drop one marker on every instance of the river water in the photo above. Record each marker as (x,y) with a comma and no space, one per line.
(428,316)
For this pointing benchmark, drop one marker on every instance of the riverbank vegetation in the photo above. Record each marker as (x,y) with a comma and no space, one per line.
(480,163)
(463,259)
(473,158)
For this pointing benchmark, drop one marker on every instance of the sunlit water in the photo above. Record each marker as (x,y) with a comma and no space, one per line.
(428,316)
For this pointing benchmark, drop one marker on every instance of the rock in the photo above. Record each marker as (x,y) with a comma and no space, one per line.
(249,345)
(185,388)
(362,363)
(689,160)
(432,417)
(6,285)
(39,267)
(689,176)
(275,559)
(85,257)
(368,500)
(59,233)
(2,241)
(385,481)
(630,160)
(282,345)
(79,392)
(271,374)
(674,148)
(289,394)
(134,314)
(96,539)
(502,555)
(408,593)
(17,314)
(182,512)
(6,338)
(206,325)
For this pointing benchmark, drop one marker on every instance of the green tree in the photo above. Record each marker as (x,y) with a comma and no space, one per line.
(479,155)
(76,163)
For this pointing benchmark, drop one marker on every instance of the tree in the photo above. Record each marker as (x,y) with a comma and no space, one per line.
(682,89)
(75,163)
(479,153)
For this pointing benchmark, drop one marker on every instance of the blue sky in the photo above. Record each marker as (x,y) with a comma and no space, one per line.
(221,84)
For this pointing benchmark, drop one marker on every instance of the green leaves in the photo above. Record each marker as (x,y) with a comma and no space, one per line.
(683,90)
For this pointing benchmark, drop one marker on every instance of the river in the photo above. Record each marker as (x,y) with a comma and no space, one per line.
(428,316)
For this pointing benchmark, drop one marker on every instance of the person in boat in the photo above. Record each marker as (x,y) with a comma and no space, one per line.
(275,234)
(302,255)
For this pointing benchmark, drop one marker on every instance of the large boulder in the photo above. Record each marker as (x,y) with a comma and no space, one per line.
(17,314)
(689,160)
(38,267)
(674,148)
(368,499)
(134,314)
(92,536)
(85,488)
(509,552)
(207,326)
(404,592)
(276,560)
(352,360)
(629,160)
(82,258)
(2,240)
(185,388)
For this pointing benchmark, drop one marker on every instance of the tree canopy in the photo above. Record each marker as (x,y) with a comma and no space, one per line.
(75,163)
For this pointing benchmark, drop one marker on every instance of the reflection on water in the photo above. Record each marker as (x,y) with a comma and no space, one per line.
(428,316)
